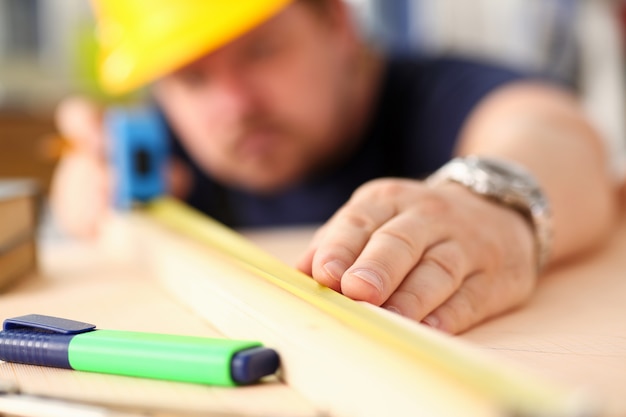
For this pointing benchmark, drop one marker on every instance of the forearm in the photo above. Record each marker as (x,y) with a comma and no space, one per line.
(544,129)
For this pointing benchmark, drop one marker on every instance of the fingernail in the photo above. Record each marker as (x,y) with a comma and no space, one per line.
(370,277)
(393,309)
(431,321)
(335,269)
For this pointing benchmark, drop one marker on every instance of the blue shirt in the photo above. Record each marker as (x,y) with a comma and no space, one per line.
(419,113)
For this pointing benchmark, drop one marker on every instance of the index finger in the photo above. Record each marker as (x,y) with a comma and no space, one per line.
(373,242)
(343,238)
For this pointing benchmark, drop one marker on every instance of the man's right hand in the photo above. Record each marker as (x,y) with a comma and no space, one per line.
(80,195)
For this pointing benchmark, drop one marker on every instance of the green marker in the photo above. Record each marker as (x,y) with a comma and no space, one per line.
(51,341)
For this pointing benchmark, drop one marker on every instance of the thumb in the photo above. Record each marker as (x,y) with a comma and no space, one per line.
(80,121)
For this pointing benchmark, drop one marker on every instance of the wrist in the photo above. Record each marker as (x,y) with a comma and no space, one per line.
(508,184)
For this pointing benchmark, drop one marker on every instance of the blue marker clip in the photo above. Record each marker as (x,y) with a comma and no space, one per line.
(139,154)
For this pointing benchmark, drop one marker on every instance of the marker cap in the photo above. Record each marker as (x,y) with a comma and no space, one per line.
(250,365)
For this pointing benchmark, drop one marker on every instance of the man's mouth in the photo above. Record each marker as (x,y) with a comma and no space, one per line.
(257,143)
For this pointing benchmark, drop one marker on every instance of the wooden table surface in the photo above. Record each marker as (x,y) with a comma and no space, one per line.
(572,330)
(101,283)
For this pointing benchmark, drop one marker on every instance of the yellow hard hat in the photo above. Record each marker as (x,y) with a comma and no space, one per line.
(142,40)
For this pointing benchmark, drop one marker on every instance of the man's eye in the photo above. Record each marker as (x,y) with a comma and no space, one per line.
(260,50)
(191,78)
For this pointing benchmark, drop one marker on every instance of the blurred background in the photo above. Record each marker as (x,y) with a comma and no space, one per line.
(47,50)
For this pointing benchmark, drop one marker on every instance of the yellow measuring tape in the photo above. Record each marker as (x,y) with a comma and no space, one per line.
(516,392)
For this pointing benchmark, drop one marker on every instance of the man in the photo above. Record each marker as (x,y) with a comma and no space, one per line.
(282,113)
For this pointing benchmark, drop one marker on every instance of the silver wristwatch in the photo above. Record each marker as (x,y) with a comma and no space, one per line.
(506,183)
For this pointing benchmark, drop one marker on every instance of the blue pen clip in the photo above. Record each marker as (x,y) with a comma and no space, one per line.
(39,340)
(48,324)
(139,154)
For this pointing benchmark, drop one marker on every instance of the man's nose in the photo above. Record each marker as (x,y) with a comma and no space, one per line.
(234,94)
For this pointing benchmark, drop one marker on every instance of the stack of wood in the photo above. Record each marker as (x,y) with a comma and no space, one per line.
(19,207)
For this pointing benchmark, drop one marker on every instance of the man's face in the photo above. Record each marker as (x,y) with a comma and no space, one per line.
(269,108)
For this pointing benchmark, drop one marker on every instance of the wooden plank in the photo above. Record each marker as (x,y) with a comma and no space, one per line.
(342,369)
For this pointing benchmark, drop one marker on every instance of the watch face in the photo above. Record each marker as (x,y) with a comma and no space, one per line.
(509,172)
(497,168)
(507,182)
